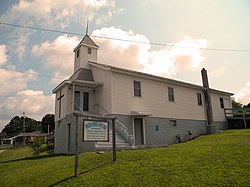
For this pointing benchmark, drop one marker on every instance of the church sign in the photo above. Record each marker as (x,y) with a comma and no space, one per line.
(96,131)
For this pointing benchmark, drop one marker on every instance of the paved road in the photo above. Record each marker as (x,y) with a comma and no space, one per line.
(2,151)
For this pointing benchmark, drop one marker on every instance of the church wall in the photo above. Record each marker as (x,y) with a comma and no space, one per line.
(165,132)
(65,137)
(60,140)
(154,99)
(69,99)
(218,112)
(103,93)
(161,131)
(63,103)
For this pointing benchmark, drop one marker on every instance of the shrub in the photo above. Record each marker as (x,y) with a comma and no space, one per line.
(37,147)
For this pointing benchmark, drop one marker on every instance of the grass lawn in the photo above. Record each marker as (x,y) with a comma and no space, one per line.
(221,159)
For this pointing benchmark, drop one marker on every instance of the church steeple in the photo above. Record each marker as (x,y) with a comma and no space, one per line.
(85,51)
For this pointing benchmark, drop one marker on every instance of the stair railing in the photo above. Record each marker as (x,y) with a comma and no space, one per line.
(120,127)
(123,131)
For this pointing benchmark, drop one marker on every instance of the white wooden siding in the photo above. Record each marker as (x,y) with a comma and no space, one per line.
(103,93)
(63,103)
(218,112)
(154,99)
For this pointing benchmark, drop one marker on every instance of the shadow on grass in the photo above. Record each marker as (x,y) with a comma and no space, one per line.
(87,171)
(34,158)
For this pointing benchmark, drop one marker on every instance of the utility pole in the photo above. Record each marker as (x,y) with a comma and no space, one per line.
(23,128)
(48,128)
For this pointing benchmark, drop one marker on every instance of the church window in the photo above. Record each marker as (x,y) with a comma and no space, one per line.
(85,101)
(170,94)
(137,88)
(77,53)
(199,98)
(89,51)
(221,102)
(77,101)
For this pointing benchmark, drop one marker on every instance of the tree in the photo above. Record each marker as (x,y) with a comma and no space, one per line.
(16,125)
(2,136)
(48,119)
(236,104)
(247,106)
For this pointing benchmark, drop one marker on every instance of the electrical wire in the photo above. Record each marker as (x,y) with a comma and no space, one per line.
(34,74)
(123,40)
(25,95)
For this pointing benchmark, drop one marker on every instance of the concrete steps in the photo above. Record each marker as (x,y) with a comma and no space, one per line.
(106,146)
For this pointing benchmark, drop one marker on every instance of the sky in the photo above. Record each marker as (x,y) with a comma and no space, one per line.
(175,39)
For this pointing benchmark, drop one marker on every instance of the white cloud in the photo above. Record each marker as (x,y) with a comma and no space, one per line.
(3,55)
(49,14)
(58,55)
(58,13)
(184,54)
(19,45)
(13,81)
(119,53)
(218,71)
(243,95)
(33,103)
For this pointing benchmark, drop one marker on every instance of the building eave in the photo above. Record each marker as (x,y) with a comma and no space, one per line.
(87,84)
(155,78)
(59,86)
(221,92)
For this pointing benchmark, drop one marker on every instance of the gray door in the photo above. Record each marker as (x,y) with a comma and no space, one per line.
(138,126)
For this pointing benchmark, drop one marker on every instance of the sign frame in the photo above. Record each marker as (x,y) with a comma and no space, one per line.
(96,123)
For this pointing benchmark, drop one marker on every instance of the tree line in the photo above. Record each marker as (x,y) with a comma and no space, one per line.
(15,126)
(239,105)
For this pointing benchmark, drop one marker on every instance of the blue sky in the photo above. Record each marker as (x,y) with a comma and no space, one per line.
(191,24)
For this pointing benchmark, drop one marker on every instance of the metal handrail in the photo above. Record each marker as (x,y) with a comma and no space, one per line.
(122,129)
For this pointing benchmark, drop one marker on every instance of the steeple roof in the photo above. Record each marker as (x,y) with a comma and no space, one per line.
(87,40)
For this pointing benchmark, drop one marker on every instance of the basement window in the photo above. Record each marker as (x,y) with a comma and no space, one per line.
(173,123)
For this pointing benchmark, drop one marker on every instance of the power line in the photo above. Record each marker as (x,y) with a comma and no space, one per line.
(33,74)
(26,95)
(123,40)
(39,28)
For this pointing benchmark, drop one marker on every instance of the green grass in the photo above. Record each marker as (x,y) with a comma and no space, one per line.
(214,160)
(5,146)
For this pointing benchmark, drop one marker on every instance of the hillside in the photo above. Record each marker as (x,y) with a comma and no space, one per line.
(221,159)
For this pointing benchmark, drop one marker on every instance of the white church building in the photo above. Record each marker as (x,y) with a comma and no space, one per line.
(150,110)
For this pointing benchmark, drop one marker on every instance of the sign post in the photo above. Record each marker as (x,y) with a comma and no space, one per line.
(114,140)
(96,129)
(76,146)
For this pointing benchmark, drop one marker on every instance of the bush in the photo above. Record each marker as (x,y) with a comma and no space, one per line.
(37,147)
